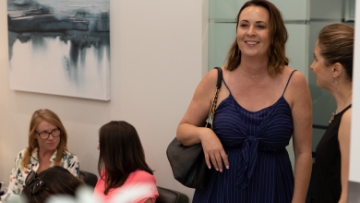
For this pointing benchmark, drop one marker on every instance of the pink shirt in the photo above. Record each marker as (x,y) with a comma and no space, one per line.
(138,188)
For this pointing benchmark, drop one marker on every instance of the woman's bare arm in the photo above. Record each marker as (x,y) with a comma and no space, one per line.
(302,137)
(191,129)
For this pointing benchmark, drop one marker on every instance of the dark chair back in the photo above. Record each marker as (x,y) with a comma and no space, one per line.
(171,196)
(90,179)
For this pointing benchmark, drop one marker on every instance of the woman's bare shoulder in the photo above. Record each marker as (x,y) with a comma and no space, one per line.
(211,76)
(297,91)
(346,117)
(208,82)
(297,78)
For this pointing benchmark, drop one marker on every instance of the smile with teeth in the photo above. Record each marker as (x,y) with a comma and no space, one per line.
(251,42)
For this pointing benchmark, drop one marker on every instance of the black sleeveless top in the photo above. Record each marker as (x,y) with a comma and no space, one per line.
(327,170)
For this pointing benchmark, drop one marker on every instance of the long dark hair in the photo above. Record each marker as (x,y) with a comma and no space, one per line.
(121,153)
(278,36)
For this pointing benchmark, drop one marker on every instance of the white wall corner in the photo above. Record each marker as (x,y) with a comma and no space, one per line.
(354,174)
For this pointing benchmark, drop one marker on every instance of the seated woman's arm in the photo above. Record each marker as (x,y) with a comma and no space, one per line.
(16,180)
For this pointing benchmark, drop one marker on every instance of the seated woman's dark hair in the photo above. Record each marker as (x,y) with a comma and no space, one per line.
(54,180)
(121,153)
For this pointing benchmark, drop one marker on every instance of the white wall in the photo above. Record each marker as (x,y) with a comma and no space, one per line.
(157,59)
(354,176)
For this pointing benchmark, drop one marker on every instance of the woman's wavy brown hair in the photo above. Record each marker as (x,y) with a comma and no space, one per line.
(51,117)
(336,42)
(278,36)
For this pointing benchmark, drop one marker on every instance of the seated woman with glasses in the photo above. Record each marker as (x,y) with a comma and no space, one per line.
(47,148)
(124,173)
(52,181)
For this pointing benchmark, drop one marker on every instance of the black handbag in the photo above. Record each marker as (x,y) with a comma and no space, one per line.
(188,162)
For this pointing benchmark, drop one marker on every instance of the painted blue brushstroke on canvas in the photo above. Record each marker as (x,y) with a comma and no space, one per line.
(60,47)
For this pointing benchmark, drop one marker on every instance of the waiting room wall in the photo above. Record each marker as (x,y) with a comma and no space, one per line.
(158,56)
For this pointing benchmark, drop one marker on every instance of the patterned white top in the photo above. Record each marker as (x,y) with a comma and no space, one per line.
(17,178)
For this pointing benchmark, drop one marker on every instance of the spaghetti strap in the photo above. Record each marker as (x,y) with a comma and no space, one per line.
(226,85)
(288,81)
(348,107)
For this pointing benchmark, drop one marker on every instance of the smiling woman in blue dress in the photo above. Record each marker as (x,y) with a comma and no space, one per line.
(262,104)
(47,148)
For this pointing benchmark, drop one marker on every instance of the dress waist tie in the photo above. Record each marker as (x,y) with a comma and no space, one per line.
(248,158)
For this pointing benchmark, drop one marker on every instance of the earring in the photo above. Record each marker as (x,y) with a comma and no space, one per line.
(336,83)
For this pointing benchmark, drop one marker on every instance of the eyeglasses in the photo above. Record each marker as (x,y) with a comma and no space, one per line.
(35,184)
(45,134)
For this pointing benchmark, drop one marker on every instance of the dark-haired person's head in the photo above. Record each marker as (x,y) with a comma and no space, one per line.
(121,153)
(52,181)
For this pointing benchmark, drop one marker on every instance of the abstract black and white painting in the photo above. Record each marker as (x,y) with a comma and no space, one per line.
(60,47)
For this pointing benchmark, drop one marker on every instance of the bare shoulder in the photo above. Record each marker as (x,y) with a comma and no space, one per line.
(347,115)
(297,92)
(210,77)
(207,84)
(297,78)
(297,83)
(346,118)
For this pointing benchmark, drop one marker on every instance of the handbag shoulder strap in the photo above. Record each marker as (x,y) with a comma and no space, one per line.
(210,118)
(219,79)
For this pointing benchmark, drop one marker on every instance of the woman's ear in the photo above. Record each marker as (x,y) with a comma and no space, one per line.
(337,69)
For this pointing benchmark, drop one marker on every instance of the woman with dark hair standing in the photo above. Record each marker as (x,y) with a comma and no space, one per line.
(262,104)
(122,166)
(333,68)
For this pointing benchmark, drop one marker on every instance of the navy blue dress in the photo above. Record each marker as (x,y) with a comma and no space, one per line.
(260,169)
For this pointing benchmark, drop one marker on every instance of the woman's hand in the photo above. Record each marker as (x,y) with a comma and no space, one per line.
(213,150)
